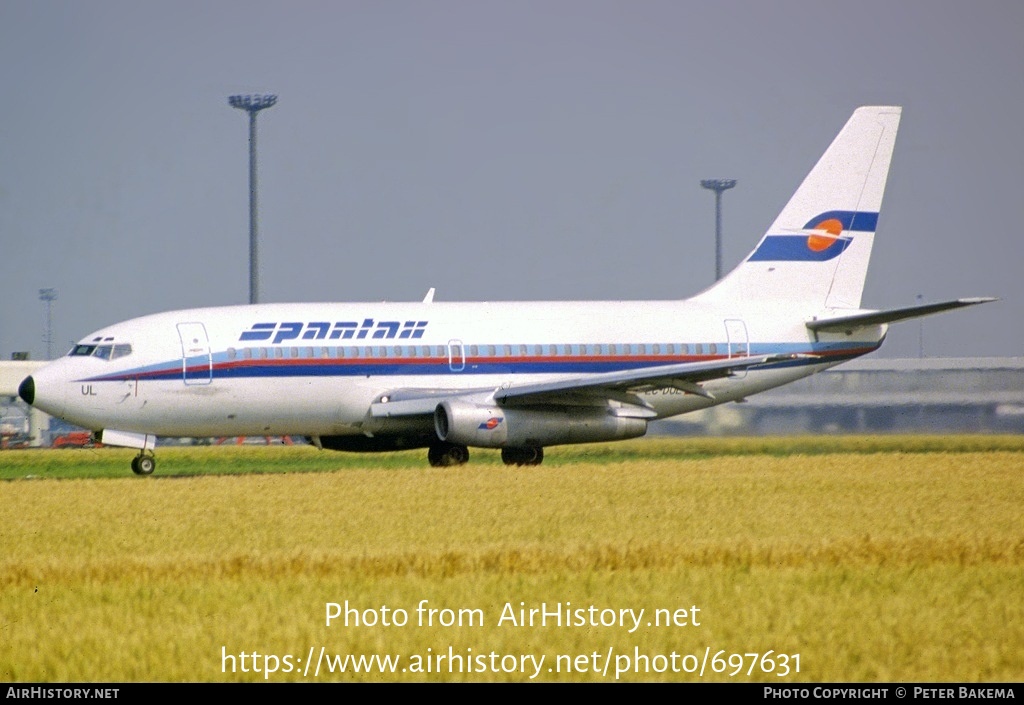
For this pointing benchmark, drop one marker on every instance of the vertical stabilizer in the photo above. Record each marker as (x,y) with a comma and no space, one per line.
(817,250)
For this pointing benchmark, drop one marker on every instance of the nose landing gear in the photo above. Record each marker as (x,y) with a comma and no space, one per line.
(144,464)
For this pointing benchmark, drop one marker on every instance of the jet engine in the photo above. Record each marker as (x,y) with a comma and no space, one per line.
(493,426)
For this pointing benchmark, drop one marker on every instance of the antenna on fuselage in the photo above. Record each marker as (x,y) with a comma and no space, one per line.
(429,298)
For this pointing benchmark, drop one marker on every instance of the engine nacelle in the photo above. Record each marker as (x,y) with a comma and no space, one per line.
(491,426)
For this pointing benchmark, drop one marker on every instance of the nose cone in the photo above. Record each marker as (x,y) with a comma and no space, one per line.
(46,388)
(27,390)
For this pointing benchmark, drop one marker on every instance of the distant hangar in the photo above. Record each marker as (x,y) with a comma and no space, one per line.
(876,395)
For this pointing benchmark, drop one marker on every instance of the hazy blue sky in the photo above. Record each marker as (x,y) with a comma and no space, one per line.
(494,150)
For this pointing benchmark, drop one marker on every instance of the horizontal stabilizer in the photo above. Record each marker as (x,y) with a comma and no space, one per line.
(875,318)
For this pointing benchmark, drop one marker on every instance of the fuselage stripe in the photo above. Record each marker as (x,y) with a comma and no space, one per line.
(392,366)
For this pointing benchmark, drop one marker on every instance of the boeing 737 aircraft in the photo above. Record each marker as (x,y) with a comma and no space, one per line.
(517,376)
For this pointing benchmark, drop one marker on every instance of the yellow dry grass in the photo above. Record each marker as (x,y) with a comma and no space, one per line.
(871,566)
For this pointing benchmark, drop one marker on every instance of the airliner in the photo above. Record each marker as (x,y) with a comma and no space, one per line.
(517,376)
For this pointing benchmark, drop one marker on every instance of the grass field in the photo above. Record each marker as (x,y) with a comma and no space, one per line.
(854,559)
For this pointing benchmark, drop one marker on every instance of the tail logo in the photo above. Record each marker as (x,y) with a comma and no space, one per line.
(824,237)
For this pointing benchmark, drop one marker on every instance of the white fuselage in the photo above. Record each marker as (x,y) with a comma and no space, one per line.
(315,369)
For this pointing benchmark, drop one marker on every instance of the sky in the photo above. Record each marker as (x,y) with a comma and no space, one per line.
(494,150)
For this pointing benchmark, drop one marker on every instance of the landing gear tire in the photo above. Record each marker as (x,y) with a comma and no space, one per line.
(522,456)
(447,454)
(143,464)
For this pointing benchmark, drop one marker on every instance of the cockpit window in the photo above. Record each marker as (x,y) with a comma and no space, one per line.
(104,352)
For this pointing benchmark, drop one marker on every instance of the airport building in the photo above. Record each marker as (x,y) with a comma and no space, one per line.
(876,395)
(20,426)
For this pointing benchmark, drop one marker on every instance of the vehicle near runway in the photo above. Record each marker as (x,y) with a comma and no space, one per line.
(13,435)
(518,376)
(75,439)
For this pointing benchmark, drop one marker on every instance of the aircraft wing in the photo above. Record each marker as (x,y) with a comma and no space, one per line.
(581,389)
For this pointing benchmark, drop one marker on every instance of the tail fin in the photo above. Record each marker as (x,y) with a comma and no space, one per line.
(817,250)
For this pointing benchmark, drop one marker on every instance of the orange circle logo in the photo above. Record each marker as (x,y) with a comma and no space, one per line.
(819,241)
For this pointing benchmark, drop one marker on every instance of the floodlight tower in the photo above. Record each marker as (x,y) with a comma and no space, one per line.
(718,186)
(920,330)
(252,104)
(48,296)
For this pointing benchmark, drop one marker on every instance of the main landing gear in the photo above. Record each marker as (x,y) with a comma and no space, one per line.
(522,456)
(144,464)
(447,454)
